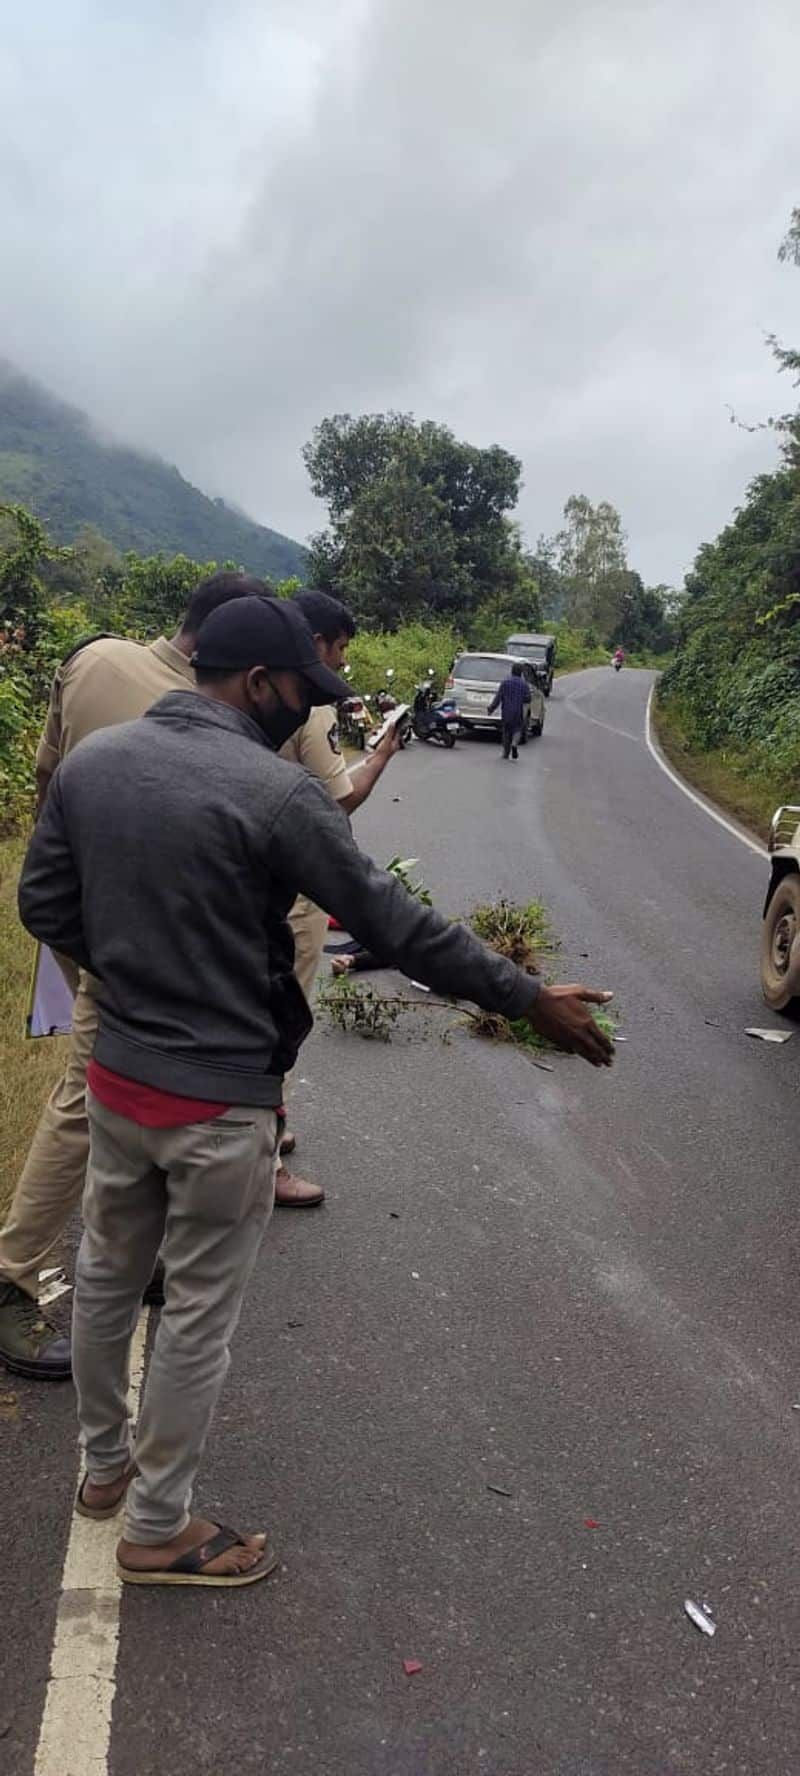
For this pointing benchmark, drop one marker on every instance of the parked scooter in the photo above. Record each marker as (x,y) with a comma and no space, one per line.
(431,720)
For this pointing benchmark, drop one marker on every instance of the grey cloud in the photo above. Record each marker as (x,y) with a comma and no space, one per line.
(553,226)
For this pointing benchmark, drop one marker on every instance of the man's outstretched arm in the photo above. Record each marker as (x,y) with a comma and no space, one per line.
(314,851)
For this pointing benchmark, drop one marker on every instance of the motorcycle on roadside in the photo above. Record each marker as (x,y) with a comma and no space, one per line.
(431,720)
(355,719)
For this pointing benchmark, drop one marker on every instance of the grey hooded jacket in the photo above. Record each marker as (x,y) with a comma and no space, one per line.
(166,858)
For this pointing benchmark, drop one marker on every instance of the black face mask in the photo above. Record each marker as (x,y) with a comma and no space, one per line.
(280,724)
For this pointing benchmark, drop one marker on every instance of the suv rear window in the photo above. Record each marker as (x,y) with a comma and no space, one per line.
(481,668)
(529,650)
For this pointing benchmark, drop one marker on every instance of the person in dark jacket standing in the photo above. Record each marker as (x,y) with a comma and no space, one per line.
(168,854)
(513,696)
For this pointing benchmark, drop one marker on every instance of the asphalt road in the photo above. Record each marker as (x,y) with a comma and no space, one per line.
(579,1288)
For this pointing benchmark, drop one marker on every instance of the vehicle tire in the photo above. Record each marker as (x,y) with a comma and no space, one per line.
(449,740)
(537,729)
(361,739)
(780,945)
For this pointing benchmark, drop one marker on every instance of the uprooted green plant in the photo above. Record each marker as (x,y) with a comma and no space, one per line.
(522,933)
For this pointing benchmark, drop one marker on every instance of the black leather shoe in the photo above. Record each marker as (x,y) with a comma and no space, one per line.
(30,1344)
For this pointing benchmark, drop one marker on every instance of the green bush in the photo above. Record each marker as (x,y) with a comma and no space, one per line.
(19,732)
(410,651)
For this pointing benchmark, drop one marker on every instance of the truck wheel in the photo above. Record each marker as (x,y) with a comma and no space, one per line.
(780,945)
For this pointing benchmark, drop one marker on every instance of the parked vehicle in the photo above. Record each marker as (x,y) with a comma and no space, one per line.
(539,651)
(431,720)
(386,700)
(355,718)
(355,721)
(472,682)
(780,935)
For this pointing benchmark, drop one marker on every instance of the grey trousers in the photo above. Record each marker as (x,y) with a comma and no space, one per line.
(202,1194)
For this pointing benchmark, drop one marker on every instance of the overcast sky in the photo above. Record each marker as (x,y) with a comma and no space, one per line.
(551,224)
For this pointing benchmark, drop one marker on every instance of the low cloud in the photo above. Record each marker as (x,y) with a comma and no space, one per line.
(554,226)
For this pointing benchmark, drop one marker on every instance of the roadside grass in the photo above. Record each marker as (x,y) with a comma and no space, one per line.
(28,1070)
(726,777)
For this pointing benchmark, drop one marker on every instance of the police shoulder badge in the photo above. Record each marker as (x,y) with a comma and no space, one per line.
(333,737)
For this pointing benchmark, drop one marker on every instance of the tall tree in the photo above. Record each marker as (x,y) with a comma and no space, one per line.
(418,519)
(592,562)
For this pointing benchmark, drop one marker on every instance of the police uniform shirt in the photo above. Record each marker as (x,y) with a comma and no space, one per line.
(108,681)
(316,746)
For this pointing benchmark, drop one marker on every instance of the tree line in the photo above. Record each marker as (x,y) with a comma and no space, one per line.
(421,539)
(734,687)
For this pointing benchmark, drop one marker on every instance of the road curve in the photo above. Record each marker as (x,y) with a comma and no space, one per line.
(578,1289)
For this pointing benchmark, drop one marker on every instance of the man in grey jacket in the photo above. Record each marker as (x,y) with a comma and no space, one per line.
(168,854)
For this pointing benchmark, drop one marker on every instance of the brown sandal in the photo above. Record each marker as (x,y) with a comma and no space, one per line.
(100,1513)
(189,1569)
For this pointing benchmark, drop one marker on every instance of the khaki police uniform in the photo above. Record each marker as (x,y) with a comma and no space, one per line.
(316,747)
(108,681)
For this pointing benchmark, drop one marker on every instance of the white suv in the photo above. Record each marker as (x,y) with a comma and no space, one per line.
(473,681)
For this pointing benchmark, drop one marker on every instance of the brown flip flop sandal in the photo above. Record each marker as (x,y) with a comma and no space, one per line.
(189,1569)
(100,1514)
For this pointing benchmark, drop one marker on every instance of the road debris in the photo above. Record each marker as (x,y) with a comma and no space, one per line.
(295,1323)
(394,1215)
(770,1035)
(420,985)
(502,1491)
(411,1667)
(591,1523)
(53,1284)
(700,1617)
(415,1276)
(713,1023)
(9,1408)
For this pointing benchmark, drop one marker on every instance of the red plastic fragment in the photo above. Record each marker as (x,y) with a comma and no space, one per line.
(590,1523)
(411,1667)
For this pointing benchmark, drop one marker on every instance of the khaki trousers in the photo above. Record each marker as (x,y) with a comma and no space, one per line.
(201,1195)
(52,1179)
(310,928)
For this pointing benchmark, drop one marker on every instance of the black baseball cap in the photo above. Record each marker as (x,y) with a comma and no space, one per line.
(270,632)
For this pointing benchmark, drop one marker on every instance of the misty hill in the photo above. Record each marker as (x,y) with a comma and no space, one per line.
(54,461)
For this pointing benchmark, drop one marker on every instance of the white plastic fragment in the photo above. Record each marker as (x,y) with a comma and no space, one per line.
(421,985)
(770,1035)
(700,1618)
(53,1284)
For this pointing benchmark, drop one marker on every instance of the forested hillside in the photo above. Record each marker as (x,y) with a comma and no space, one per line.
(54,462)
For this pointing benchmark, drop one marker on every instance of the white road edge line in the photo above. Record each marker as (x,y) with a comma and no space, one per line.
(75,1733)
(685,790)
